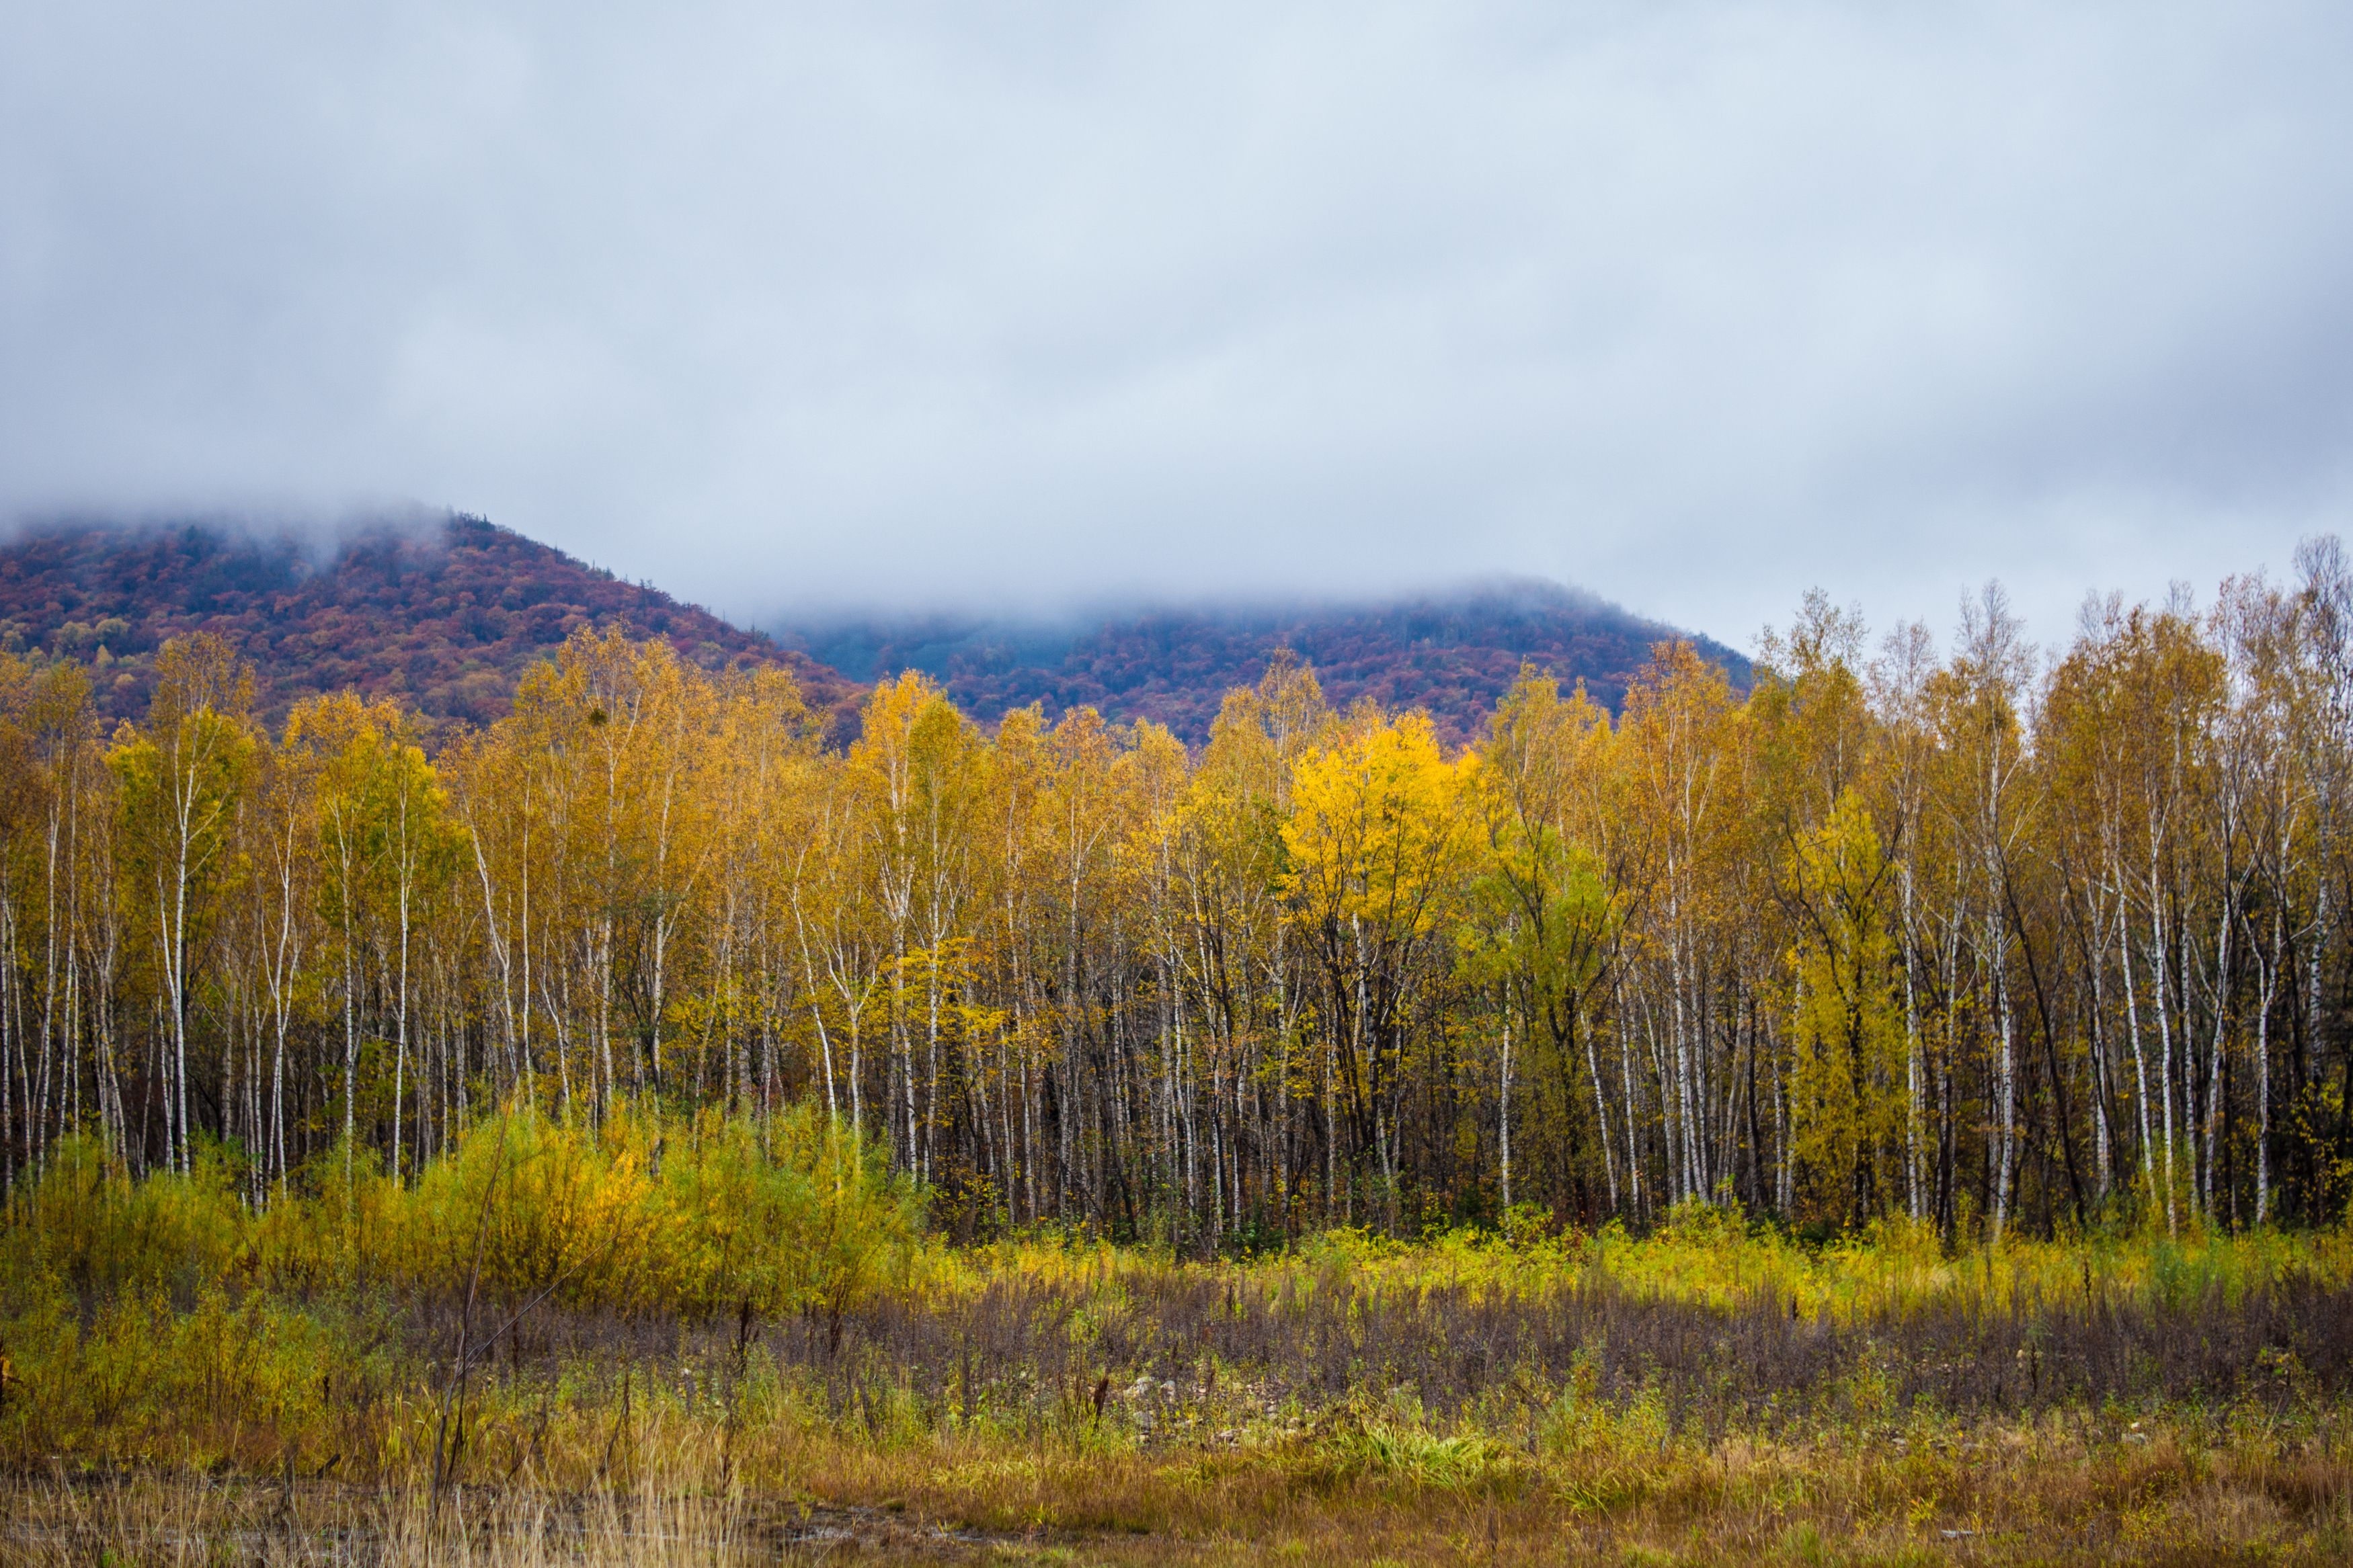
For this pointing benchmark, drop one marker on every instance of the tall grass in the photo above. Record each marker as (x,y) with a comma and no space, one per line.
(728,1326)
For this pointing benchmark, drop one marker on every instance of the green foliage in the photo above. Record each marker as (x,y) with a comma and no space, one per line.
(163,1317)
(653,1214)
(85,1226)
(1540,916)
(1413,1455)
(811,1216)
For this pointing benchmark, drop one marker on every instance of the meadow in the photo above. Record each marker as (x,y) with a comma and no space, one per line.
(707,1340)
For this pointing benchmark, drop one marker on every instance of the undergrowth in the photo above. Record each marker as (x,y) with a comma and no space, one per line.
(755,1340)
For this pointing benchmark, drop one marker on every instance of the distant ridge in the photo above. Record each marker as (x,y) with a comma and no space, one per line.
(444,616)
(1451,653)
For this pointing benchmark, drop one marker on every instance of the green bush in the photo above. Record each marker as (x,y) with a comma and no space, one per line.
(86,1225)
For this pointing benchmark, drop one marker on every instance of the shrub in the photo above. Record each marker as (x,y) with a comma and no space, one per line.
(808,1217)
(552,1212)
(87,1225)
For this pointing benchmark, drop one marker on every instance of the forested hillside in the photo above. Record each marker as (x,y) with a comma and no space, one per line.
(443,616)
(1451,655)
(1956,935)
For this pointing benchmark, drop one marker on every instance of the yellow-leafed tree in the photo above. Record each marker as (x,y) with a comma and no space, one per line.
(1847,1099)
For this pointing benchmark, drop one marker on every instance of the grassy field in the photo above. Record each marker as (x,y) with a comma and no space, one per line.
(182,1385)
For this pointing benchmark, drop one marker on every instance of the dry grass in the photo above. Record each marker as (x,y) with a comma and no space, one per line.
(1713,1394)
(1994,1494)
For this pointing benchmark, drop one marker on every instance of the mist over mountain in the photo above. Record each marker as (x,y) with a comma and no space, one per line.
(1452,652)
(444,612)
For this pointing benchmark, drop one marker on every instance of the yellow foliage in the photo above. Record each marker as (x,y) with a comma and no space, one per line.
(1376,829)
(1848,1092)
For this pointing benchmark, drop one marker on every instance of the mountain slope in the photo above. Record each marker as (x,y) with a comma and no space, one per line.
(1450,653)
(446,616)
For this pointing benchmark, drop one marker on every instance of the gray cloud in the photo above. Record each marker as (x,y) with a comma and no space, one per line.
(1694,304)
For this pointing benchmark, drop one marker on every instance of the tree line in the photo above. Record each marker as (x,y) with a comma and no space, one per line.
(1972,936)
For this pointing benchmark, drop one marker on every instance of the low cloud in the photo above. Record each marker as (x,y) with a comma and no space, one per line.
(898,305)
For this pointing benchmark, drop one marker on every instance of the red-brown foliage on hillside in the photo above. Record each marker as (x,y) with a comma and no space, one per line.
(445,616)
(1449,654)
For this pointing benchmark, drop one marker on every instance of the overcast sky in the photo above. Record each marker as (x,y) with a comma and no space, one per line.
(1696,305)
